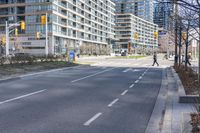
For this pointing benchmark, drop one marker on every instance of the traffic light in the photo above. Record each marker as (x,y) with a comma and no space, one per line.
(3,40)
(43,19)
(16,32)
(22,25)
(38,35)
(136,36)
(155,35)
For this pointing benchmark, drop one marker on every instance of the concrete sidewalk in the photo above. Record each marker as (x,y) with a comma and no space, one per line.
(167,116)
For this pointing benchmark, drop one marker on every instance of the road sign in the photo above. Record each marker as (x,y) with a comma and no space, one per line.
(162,33)
(71,56)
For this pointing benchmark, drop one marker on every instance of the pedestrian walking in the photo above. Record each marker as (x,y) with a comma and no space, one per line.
(155,59)
(188,59)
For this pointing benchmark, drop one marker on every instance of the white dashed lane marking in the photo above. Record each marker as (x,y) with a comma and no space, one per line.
(87,123)
(124,93)
(136,81)
(131,86)
(113,102)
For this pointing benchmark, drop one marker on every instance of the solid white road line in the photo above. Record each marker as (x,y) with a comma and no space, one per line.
(136,81)
(92,75)
(131,86)
(113,102)
(123,93)
(126,70)
(87,123)
(20,97)
(48,71)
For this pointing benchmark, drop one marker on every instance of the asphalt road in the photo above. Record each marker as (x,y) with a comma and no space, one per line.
(85,99)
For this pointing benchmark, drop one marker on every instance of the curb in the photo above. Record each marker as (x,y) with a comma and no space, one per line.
(35,73)
(181,90)
(157,116)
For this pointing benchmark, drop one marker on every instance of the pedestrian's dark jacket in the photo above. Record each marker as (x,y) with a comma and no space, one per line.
(155,57)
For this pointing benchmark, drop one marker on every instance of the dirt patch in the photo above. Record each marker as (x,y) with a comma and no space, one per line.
(189,79)
(195,122)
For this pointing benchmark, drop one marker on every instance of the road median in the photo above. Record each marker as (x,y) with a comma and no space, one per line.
(10,72)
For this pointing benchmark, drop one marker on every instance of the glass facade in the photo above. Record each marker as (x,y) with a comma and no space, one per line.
(129,25)
(69,21)
(162,13)
(140,8)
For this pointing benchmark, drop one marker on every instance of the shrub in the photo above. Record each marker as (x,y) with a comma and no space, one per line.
(29,59)
(2,60)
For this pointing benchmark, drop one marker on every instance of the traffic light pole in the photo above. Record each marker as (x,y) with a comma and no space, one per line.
(7,28)
(46,45)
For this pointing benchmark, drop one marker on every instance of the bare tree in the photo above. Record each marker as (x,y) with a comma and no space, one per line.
(192,6)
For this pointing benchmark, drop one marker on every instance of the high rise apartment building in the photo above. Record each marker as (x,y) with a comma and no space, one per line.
(83,25)
(162,14)
(137,32)
(134,18)
(141,8)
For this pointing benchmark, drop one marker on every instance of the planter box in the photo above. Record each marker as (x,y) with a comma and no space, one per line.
(183,98)
(189,99)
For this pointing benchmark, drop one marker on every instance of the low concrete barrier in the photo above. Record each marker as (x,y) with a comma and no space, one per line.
(189,99)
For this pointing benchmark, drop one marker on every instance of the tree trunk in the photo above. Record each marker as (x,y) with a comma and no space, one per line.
(180,41)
